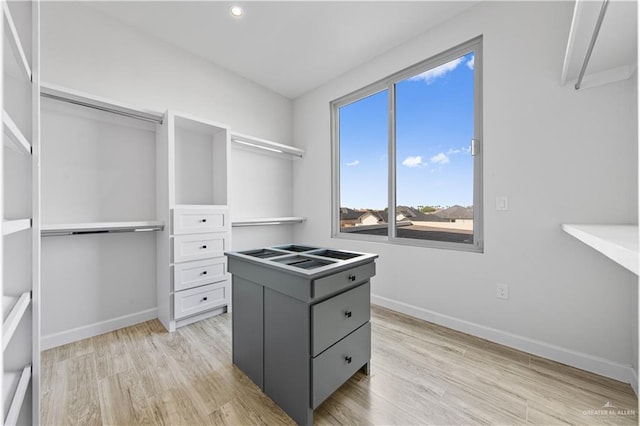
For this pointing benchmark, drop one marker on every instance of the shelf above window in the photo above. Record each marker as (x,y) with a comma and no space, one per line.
(16,140)
(290,220)
(61,229)
(12,226)
(265,145)
(618,242)
(13,309)
(15,45)
(14,389)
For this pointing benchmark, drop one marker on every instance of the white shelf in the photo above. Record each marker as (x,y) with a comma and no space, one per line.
(13,309)
(12,226)
(11,130)
(264,144)
(268,221)
(14,389)
(99,228)
(618,242)
(14,42)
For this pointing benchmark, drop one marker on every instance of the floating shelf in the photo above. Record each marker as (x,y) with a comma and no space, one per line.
(266,145)
(618,242)
(15,385)
(11,130)
(12,226)
(268,221)
(14,42)
(16,307)
(98,228)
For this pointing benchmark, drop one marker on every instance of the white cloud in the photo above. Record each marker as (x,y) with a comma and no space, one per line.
(440,158)
(464,149)
(353,163)
(471,62)
(454,151)
(413,161)
(432,74)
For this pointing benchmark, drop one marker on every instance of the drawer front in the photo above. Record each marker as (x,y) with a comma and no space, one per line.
(201,246)
(341,280)
(194,274)
(200,299)
(334,318)
(338,363)
(198,221)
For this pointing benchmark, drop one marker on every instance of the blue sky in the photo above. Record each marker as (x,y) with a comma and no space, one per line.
(434,127)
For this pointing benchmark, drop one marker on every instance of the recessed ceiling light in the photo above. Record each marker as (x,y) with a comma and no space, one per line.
(236,11)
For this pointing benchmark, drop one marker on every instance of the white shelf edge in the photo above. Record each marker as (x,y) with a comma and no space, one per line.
(618,242)
(10,324)
(12,226)
(14,41)
(99,227)
(18,396)
(289,220)
(15,135)
(266,144)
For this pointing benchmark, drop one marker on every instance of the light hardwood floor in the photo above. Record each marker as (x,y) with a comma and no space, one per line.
(421,374)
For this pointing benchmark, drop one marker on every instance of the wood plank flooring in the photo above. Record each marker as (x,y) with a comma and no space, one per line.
(421,374)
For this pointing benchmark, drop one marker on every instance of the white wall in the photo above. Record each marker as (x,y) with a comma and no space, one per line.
(87,51)
(560,155)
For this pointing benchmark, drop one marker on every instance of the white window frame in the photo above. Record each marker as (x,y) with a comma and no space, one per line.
(388,84)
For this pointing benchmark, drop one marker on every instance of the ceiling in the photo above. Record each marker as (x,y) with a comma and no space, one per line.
(289,47)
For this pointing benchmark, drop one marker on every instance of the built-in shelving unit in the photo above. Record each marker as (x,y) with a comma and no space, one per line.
(618,242)
(603,41)
(290,220)
(19,202)
(99,227)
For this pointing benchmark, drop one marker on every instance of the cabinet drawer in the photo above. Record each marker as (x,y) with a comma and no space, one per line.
(200,246)
(336,282)
(338,363)
(197,221)
(193,274)
(199,299)
(334,318)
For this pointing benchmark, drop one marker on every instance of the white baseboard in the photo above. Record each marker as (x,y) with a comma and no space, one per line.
(601,366)
(62,338)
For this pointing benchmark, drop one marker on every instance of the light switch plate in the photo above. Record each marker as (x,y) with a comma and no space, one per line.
(502,203)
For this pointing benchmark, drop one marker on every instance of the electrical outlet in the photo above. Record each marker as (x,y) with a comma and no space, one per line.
(502,291)
(502,203)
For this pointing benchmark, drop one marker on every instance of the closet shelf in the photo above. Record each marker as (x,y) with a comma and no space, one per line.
(12,131)
(618,242)
(15,385)
(15,43)
(98,228)
(268,221)
(12,226)
(14,309)
(266,145)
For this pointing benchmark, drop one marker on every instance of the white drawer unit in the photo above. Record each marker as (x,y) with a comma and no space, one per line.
(199,220)
(199,246)
(199,299)
(193,274)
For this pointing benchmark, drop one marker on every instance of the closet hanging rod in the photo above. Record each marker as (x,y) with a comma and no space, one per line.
(148,118)
(592,43)
(99,228)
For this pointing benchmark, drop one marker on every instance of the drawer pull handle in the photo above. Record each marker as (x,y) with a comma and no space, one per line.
(352,277)
(204,299)
(203,273)
(348,359)
(203,247)
(203,220)
(347,314)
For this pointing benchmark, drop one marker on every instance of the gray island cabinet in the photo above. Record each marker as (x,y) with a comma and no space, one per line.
(301,321)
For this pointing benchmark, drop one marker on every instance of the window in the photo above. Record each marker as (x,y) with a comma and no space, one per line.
(407,163)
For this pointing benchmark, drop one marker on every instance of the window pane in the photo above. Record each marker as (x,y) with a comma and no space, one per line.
(434,177)
(363,165)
